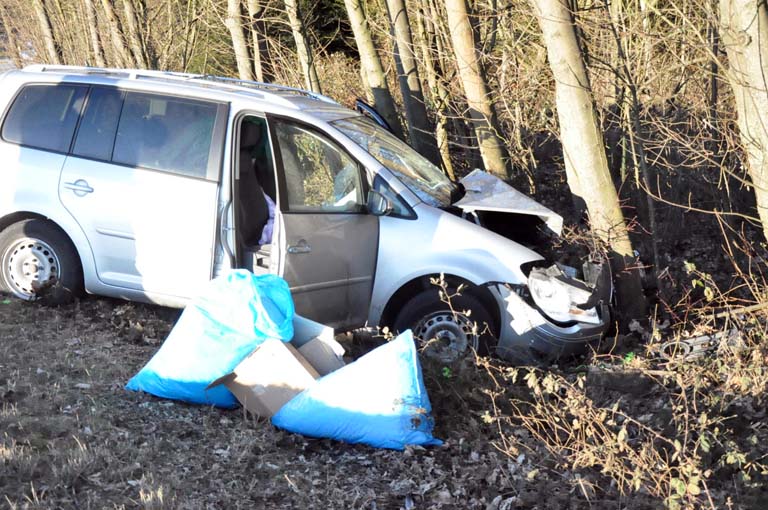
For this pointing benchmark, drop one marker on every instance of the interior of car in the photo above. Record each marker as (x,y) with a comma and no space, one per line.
(255,195)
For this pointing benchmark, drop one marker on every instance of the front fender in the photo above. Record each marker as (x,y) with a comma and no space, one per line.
(439,242)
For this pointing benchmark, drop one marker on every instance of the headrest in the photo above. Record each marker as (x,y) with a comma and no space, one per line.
(250,134)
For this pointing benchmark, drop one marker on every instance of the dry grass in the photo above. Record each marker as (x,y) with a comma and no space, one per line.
(621,430)
(72,437)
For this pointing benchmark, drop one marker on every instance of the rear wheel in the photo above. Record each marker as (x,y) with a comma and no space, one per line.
(38,260)
(444,331)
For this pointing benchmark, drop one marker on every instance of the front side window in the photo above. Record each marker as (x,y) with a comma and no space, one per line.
(165,133)
(319,175)
(45,116)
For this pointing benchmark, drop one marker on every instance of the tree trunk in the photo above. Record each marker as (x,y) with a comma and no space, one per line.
(117,36)
(440,95)
(371,66)
(410,83)
(302,46)
(93,31)
(237,32)
(476,89)
(134,39)
(584,149)
(744,33)
(46,29)
(261,61)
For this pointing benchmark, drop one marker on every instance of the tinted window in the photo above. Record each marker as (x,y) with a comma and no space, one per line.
(165,133)
(96,134)
(45,116)
(319,176)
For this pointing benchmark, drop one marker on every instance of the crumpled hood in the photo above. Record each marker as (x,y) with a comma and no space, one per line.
(486,192)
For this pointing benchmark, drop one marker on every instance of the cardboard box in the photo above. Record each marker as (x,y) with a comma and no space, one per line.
(318,345)
(323,355)
(276,371)
(270,376)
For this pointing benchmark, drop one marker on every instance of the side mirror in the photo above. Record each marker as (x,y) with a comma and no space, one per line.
(378,204)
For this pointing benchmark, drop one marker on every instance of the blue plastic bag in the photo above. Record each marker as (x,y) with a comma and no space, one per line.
(378,400)
(233,315)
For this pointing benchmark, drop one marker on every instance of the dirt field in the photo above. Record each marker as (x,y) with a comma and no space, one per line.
(72,437)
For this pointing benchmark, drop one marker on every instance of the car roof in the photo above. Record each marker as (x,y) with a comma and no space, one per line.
(203,86)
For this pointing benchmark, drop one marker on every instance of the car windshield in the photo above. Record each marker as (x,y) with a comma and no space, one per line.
(427,181)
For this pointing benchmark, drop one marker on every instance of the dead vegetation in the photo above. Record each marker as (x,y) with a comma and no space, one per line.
(627,429)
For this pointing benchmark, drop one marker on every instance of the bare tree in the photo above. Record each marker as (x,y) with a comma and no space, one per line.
(116,35)
(435,80)
(46,29)
(261,63)
(93,32)
(476,89)
(584,148)
(410,82)
(744,33)
(10,34)
(134,36)
(302,45)
(237,32)
(372,68)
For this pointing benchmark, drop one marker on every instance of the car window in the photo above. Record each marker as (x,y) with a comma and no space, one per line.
(427,181)
(319,175)
(96,134)
(45,116)
(165,133)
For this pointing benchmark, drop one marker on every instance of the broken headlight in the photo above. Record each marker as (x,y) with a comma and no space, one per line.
(560,296)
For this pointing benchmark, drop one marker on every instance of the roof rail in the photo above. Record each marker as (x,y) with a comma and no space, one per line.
(270,89)
(266,86)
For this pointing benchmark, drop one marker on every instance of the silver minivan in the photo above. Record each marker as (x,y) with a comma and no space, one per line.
(144,185)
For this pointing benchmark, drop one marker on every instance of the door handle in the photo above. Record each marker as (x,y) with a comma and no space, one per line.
(300,247)
(80,187)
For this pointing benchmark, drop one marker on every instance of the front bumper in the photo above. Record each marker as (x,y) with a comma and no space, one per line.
(527,336)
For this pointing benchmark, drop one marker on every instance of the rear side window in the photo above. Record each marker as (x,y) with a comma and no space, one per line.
(96,134)
(165,133)
(45,116)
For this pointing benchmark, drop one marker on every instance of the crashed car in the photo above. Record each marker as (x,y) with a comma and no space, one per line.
(144,185)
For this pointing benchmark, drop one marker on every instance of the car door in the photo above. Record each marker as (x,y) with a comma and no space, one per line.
(328,241)
(142,183)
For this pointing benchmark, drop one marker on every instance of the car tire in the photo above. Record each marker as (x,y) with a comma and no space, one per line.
(444,331)
(37,260)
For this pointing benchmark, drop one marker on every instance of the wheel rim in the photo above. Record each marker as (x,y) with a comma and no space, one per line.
(30,263)
(446,335)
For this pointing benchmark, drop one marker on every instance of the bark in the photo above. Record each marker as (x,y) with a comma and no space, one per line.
(116,35)
(302,46)
(93,32)
(584,149)
(46,29)
(239,44)
(744,35)
(134,39)
(440,94)
(371,66)
(410,83)
(261,63)
(481,109)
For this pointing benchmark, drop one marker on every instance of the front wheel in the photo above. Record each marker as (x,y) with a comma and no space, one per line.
(446,331)
(38,260)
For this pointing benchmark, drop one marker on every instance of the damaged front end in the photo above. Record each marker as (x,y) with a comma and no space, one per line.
(559,311)
(556,315)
